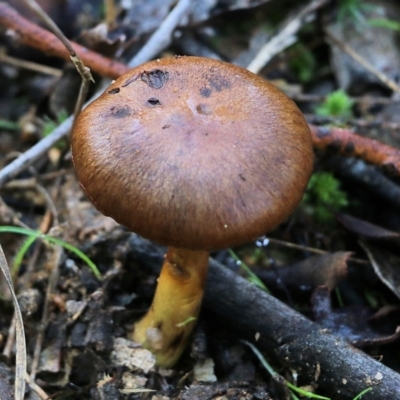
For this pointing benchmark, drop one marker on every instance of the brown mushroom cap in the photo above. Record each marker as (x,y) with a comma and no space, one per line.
(194,153)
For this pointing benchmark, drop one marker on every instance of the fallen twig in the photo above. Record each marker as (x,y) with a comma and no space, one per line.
(285,37)
(20,356)
(16,62)
(25,160)
(390,83)
(348,143)
(368,177)
(323,359)
(161,38)
(34,36)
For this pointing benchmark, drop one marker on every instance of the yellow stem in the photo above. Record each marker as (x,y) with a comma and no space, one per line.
(166,328)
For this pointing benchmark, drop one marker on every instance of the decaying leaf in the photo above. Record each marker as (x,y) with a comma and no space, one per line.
(364,228)
(386,265)
(374,44)
(352,322)
(304,276)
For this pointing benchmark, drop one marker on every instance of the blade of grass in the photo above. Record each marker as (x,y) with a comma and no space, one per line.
(53,240)
(20,356)
(252,277)
(360,395)
(21,254)
(271,371)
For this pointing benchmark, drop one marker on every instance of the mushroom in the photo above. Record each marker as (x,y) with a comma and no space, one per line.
(198,155)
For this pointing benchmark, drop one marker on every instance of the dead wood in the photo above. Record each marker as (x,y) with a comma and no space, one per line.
(348,143)
(34,36)
(336,367)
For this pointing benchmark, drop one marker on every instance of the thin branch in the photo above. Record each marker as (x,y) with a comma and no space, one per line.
(25,160)
(317,98)
(81,68)
(348,143)
(20,357)
(161,38)
(285,37)
(390,83)
(34,36)
(17,62)
(285,335)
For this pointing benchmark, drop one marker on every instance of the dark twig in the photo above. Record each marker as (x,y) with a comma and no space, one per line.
(348,143)
(323,359)
(390,83)
(34,36)
(285,37)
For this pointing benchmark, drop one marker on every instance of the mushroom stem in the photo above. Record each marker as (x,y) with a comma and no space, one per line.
(166,328)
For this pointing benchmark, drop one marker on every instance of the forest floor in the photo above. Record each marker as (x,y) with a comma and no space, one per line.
(284,317)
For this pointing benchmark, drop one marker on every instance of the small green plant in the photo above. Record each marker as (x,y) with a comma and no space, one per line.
(33,235)
(360,395)
(294,389)
(384,23)
(303,63)
(49,125)
(353,11)
(9,125)
(251,276)
(323,196)
(337,104)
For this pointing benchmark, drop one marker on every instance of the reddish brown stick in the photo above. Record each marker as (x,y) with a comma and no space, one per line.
(34,36)
(348,143)
(342,141)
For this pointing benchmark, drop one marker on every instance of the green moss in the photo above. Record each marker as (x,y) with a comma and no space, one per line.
(303,64)
(323,197)
(337,104)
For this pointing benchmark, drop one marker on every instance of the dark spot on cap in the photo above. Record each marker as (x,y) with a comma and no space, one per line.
(241,176)
(203,109)
(121,112)
(155,79)
(205,92)
(166,126)
(219,83)
(154,102)
(114,91)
